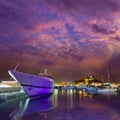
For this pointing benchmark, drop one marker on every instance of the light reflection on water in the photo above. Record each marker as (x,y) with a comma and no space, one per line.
(63,105)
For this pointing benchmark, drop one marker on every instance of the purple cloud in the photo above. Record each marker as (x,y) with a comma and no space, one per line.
(61,35)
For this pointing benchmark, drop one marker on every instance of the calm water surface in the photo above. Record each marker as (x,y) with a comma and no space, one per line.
(62,105)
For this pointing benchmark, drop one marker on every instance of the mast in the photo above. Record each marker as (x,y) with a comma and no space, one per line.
(102,79)
(108,74)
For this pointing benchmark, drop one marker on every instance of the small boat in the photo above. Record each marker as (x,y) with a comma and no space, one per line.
(67,87)
(33,85)
(107,88)
(88,89)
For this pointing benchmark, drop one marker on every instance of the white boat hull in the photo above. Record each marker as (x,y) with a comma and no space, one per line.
(33,85)
(106,90)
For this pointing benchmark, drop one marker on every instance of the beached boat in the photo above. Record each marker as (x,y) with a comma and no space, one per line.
(33,85)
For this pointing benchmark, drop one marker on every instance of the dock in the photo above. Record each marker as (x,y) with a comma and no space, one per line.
(9,95)
(9,89)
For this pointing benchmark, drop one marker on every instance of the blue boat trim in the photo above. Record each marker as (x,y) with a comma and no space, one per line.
(37,86)
(41,95)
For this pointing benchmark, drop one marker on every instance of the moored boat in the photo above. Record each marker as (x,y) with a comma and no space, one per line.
(88,89)
(34,85)
(106,88)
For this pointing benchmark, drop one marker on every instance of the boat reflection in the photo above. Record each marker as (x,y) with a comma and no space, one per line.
(30,106)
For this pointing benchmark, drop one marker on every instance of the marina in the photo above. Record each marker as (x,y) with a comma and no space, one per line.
(28,97)
(53,101)
(62,105)
(90,85)
(60,60)
(48,86)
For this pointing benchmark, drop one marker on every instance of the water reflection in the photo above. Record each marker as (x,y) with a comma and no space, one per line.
(63,105)
(29,106)
(73,104)
(17,108)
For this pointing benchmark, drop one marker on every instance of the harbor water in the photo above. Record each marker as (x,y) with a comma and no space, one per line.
(62,105)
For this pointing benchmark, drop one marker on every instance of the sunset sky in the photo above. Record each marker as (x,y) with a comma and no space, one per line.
(71,38)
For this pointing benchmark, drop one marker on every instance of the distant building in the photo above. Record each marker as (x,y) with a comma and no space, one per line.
(89,81)
(11,83)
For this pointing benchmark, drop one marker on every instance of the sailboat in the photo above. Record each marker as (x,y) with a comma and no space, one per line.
(107,87)
(34,85)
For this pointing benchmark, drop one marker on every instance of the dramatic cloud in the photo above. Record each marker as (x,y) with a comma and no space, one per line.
(70,38)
